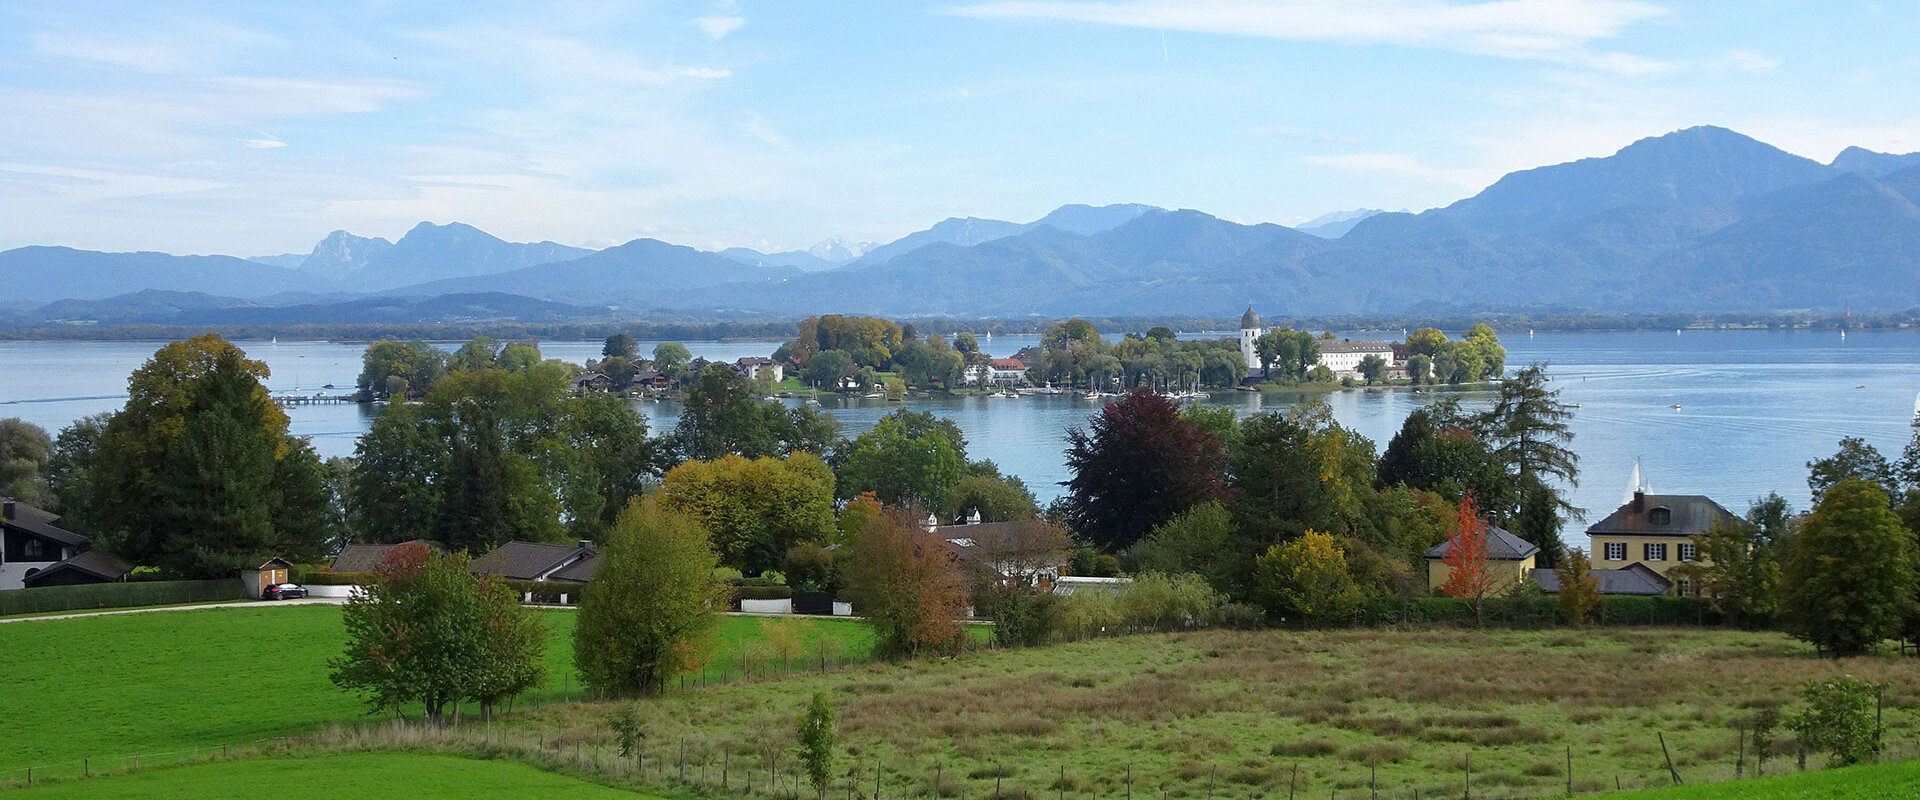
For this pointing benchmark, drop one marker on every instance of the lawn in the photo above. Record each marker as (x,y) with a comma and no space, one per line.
(1240,712)
(1896,781)
(366,776)
(163,685)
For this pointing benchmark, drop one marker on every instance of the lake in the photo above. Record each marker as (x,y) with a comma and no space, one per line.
(1754,406)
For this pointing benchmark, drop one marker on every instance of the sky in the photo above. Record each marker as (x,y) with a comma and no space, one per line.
(255,128)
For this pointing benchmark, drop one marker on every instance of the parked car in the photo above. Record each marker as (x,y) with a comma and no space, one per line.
(283,591)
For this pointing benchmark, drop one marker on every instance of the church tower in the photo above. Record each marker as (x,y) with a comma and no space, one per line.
(1249,331)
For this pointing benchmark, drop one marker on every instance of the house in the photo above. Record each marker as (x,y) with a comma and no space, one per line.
(999,372)
(1343,356)
(1656,530)
(1634,579)
(30,542)
(1510,559)
(753,368)
(368,557)
(578,572)
(89,566)
(1022,551)
(530,561)
(654,379)
(271,572)
(591,381)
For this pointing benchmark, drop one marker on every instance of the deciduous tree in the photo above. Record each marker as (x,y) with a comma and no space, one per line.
(907,585)
(1306,579)
(908,458)
(24,451)
(653,605)
(1849,579)
(1134,466)
(755,510)
(1579,589)
(1470,574)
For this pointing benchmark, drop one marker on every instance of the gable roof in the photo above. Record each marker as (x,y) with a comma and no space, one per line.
(105,566)
(1690,514)
(1635,578)
(38,523)
(1501,546)
(367,557)
(1355,346)
(579,571)
(526,561)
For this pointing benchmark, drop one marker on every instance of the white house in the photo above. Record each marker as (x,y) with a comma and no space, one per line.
(1343,356)
(999,372)
(752,368)
(30,543)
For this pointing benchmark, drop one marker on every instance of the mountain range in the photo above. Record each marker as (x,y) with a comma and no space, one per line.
(1700,219)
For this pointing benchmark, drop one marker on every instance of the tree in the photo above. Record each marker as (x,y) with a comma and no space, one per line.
(621,345)
(1437,450)
(72,472)
(653,605)
(827,369)
(1426,342)
(1373,368)
(910,590)
(1306,579)
(722,414)
(514,657)
(24,451)
(307,522)
(908,458)
(1419,369)
(755,510)
(1295,471)
(1856,460)
(996,498)
(394,494)
(391,367)
(1469,566)
(1842,719)
(1528,433)
(1738,570)
(815,732)
(671,357)
(1136,465)
(603,459)
(417,634)
(1579,589)
(1849,580)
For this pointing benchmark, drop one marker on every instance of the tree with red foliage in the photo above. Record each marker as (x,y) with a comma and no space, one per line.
(908,585)
(1469,567)
(1136,465)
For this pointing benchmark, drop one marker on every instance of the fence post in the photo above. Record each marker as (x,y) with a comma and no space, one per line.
(1740,763)
(1211,779)
(1669,757)
(1469,775)
(1291,779)
(1569,770)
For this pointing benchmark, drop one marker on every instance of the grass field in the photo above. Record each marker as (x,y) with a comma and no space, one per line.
(164,685)
(1896,781)
(366,776)
(1241,711)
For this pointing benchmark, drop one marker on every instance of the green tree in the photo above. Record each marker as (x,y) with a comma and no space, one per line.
(621,345)
(1307,580)
(1373,368)
(1426,342)
(815,732)
(72,471)
(1738,570)
(1528,432)
(722,414)
(827,369)
(1849,580)
(755,509)
(1856,460)
(1491,356)
(417,634)
(1298,470)
(395,492)
(996,497)
(908,458)
(515,649)
(653,605)
(307,522)
(602,459)
(671,358)
(1136,465)
(410,367)
(25,449)
(1579,589)
(1419,369)
(1438,450)
(1842,719)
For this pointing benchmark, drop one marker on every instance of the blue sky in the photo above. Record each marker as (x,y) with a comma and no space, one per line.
(254,128)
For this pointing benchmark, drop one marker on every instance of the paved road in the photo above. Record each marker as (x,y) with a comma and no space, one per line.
(305,601)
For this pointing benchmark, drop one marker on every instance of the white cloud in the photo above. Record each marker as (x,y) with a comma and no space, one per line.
(267,143)
(1551,30)
(1405,164)
(1746,61)
(718,27)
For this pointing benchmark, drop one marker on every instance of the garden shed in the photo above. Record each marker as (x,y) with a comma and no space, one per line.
(273,571)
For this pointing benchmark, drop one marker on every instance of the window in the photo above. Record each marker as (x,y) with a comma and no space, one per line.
(1689,552)
(32,550)
(1616,551)
(1660,516)
(1655,552)
(1685,588)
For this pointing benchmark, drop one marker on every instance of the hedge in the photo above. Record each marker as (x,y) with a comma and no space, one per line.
(761,593)
(325,578)
(1533,612)
(118,595)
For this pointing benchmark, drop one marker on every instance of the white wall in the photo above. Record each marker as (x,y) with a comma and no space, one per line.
(14,573)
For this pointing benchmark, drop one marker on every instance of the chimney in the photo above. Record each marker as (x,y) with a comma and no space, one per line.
(1639,500)
(6,508)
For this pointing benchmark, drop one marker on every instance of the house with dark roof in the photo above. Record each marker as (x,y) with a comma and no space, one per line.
(1656,530)
(31,542)
(577,572)
(530,561)
(752,367)
(1510,559)
(1015,550)
(590,382)
(1633,579)
(87,566)
(368,557)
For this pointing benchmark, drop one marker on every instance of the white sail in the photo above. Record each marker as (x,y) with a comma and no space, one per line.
(1634,483)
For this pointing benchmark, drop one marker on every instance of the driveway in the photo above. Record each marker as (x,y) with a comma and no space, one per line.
(305,601)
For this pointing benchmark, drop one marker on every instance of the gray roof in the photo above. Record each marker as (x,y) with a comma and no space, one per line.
(367,557)
(526,561)
(1690,514)
(38,523)
(1249,320)
(1635,578)
(105,566)
(1355,346)
(579,571)
(1501,546)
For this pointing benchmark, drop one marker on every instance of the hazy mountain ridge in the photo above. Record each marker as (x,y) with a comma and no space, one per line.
(1699,219)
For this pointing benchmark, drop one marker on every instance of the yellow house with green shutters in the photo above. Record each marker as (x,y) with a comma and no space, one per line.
(1655,530)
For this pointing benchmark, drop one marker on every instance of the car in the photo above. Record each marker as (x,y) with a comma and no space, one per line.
(283,591)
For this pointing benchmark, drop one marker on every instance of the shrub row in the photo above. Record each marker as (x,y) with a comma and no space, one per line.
(118,595)
(1533,612)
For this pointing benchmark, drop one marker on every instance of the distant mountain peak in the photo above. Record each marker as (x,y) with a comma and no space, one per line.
(1336,224)
(1871,164)
(839,249)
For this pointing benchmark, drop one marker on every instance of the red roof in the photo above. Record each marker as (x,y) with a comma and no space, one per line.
(1008,363)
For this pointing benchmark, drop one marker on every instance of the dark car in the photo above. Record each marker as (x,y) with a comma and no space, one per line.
(283,591)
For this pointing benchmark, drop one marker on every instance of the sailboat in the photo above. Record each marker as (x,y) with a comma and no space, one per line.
(1916,411)
(1636,483)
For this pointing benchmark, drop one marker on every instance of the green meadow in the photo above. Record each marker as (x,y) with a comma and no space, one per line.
(364,776)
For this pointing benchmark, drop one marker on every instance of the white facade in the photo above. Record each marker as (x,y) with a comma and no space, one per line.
(1343,356)
(1249,332)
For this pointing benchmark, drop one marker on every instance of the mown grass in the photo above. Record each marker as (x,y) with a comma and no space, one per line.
(1240,712)
(1898,780)
(162,685)
(368,776)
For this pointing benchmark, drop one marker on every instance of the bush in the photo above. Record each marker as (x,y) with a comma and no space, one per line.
(118,595)
(1840,720)
(329,578)
(761,593)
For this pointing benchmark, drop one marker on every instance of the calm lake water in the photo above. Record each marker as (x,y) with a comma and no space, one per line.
(1754,406)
